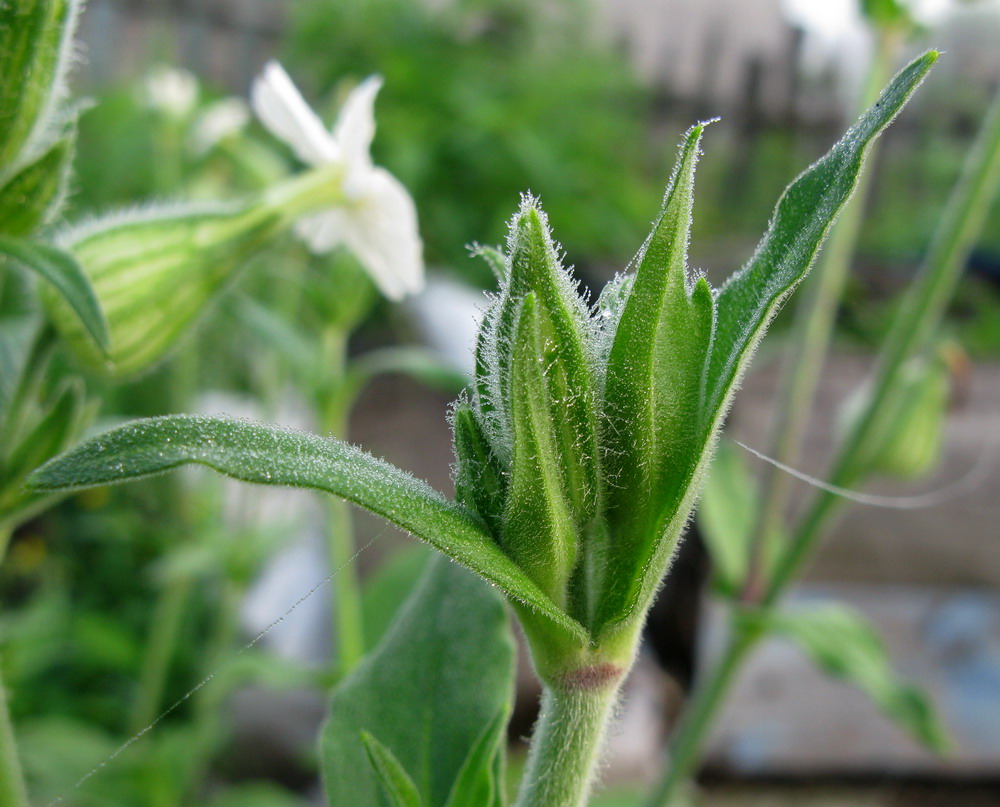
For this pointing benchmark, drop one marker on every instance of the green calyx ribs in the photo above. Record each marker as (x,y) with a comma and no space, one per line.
(588,431)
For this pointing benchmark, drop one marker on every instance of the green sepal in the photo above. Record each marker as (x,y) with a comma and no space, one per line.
(155,273)
(480,782)
(479,480)
(495,259)
(562,333)
(35,44)
(69,281)
(653,386)
(33,196)
(270,455)
(844,645)
(539,530)
(396,782)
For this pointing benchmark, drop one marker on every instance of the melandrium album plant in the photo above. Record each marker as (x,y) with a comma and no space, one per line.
(581,448)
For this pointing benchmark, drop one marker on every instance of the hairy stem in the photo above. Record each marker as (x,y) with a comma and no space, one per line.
(566,744)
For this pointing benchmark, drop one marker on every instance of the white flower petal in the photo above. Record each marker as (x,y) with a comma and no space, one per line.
(382,233)
(354,132)
(323,231)
(281,108)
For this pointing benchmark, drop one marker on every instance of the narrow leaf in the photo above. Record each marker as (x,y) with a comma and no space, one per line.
(66,276)
(802,218)
(428,692)
(395,781)
(270,455)
(843,644)
(33,195)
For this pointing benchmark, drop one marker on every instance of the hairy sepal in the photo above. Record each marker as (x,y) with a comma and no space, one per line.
(270,455)
(653,386)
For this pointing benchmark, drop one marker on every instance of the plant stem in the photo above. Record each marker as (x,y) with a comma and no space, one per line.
(813,331)
(566,744)
(12,790)
(334,407)
(685,750)
(165,628)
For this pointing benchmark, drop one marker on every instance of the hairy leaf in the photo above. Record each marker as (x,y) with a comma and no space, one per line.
(270,455)
(480,782)
(428,692)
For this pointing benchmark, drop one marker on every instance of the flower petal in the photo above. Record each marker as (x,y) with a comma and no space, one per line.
(281,108)
(323,231)
(382,233)
(354,132)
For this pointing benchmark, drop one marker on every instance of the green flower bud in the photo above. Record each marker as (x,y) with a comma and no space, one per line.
(154,273)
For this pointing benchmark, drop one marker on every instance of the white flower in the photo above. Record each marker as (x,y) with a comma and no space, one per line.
(171,90)
(218,121)
(377,220)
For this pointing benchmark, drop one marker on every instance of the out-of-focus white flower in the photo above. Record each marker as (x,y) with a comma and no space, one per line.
(376,219)
(171,90)
(219,120)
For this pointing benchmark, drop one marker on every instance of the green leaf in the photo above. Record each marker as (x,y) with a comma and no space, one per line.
(478,782)
(66,276)
(429,691)
(887,13)
(751,298)
(652,394)
(395,781)
(35,44)
(155,272)
(727,515)
(844,645)
(386,589)
(801,220)
(480,482)
(33,195)
(271,455)
(420,363)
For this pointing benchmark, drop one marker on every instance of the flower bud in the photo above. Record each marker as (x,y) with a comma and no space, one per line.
(154,274)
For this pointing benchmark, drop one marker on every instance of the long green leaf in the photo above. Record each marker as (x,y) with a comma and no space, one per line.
(66,276)
(428,692)
(270,455)
(843,644)
(477,782)
(751,298)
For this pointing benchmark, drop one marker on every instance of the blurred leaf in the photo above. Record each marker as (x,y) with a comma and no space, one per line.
(727,515)
(480,782)
(256,795)
(842,644)
(428,692)
(32,196)
(387,588)
(420,363)
(67,277)
(270,455)
(887,13)
(396,782)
